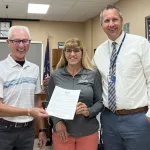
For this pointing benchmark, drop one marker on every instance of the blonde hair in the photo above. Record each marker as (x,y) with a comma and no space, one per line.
(75,43)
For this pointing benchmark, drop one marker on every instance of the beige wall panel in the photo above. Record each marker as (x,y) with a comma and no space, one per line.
(88,37)
(57,31)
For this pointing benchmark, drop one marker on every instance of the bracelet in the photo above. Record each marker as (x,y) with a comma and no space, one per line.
(42,130)
(29,110)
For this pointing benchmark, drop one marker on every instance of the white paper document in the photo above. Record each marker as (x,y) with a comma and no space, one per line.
(63,103)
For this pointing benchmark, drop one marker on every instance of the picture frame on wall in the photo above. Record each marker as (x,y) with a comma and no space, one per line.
(61,45)
(147,27)
(4,28)
(126,27)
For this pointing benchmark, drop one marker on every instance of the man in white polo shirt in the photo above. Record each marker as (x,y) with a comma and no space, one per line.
(19,95)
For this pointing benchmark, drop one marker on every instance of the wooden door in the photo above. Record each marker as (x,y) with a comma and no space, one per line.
(56,54)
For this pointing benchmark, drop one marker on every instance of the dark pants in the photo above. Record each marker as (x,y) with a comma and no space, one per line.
(125,132)
(50,123)
(12,138)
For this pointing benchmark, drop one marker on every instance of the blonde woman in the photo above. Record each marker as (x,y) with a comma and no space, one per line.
(75,71)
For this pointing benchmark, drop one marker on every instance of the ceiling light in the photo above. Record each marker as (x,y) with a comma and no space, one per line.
(38,8)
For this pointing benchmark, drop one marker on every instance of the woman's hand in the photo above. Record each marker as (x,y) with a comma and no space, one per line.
(62,131)
(81,108)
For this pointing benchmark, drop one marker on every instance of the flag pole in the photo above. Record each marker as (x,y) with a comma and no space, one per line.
(46,71)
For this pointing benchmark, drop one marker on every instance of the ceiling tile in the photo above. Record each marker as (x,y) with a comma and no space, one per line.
(63,2)
(40,1)
(17,15)
(60,10)
(35,16)
(15,1)
(3,13)
(53,17)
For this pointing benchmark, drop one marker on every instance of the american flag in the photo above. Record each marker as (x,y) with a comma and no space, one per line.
(46,62)
(148,28)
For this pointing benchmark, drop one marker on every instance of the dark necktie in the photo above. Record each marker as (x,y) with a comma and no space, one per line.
(111,85)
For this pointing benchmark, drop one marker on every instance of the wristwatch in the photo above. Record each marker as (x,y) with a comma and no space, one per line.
(42,130)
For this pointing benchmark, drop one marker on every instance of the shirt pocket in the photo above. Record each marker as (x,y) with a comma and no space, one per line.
(131,66)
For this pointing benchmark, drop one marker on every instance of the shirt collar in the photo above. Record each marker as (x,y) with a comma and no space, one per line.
(13,63)
(65,72)
(118,40)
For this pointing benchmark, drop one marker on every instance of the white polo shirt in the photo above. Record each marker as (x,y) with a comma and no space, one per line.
(132,71)
(18,85)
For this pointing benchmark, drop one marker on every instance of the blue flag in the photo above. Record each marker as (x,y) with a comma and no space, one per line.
(46,62)
(148,28)
(148,34)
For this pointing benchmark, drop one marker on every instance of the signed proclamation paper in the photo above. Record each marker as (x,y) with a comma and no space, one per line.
(63,103)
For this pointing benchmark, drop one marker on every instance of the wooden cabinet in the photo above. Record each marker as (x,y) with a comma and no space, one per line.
(56,54)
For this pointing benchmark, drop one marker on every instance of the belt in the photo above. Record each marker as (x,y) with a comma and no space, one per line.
(128,111)
(15,124)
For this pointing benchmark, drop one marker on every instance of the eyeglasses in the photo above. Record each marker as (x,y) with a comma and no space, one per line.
(17,42)
(75,50)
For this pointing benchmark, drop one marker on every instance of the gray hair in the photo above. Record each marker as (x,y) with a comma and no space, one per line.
(107,8)
(18,27)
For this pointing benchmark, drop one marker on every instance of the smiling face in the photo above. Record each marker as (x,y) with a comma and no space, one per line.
(18,50)
(73,52)
(112,24)
(73,55)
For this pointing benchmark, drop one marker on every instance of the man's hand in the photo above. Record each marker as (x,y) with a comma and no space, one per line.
(81,108)
(42,140)
(62,131)
(38,113)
